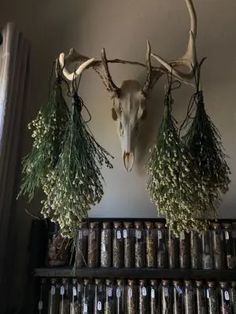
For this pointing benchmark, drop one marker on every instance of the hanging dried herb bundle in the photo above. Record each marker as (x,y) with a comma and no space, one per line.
(204,144)
(75,183)
(174,187)
(47,132)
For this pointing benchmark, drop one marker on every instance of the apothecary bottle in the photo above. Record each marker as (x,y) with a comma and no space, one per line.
(162,252)
(143,297)
(118,245)
(64,307)
(42,309)
(178,297)
(81,246)
(99,299)
(213,298)
(109,307)
(233,296)
(150,234)
(201,298)
(184,250)
(76,298)
(53,298)
(88,297)
(139,245)
(228,246)
(173,250)
(132,297)
(190,297)
(196,250)
(128,236)
(217,239)
(207,250)
(93,245)
(105,250)
(155,297)
(166,297)
(120,297)
(225,301)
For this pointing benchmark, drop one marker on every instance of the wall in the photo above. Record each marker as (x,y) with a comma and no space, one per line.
(123,27)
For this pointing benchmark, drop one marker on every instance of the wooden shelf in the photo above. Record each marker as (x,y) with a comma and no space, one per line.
(137,273)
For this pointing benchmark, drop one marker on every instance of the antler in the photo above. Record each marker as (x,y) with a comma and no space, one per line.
(189,59)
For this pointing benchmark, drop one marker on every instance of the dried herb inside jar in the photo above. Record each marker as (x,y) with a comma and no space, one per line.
(118,245)
(150,244)
(139,245)
(128,236)
(106,253)
(93,245)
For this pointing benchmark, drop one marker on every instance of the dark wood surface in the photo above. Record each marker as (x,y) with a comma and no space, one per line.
(137,273)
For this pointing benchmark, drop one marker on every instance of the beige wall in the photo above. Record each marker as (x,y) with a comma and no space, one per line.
(122,27)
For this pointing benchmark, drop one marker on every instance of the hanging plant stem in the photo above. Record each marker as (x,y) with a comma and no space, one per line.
(74,185)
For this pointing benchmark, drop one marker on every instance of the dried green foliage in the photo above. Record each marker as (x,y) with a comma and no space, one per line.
(174,185)
(47,132)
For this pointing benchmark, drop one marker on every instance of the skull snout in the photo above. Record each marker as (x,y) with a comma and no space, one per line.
(128,159)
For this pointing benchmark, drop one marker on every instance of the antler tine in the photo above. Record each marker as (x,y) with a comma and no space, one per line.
(147,83)
(111,86)
(70,76)
(189,59)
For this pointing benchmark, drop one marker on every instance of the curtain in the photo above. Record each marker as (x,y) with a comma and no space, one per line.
(14,73)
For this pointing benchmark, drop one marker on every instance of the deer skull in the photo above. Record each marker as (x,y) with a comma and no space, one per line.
(129,100)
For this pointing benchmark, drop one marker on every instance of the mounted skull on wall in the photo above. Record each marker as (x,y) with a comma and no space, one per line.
(129,100)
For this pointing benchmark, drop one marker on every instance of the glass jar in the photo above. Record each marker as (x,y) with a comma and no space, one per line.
(109,299)
(93,244)
(106,245)
(166,297)
(207,250)
(213,298)
(225,298)
(120,297)
(184,250)
(139,245)
(173,250)
(155,297)
(217,246)
(81,246)
(128,236)
(99,299)
(42,297)
(75,298)
(178,297)
(234,242)
(190,297)
(228,245)
(88,297)
(143,297)
(118,245)
(233,296)
(64,307)
(201,298)
(53,298)
(196,250)
(131,298)
(150,233)
(162,252)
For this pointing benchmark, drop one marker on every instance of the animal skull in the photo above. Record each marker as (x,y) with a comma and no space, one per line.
(130,100)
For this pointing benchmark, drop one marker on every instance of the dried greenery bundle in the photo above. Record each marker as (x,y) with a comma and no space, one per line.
(204,143)
(75,183)
(47,132)
(173,186)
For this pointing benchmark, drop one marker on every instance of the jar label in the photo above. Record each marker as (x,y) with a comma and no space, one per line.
(78,287)
(208,294)
(74,292)
(166,292)
(130,292)
(118,234)
(103,247)
(138,234)
(80,235)
(62,290)
(179,290)
(85,232)
(109,292)
(53,290)
(40,305)
(85,308)
(153,293)
(182,235)
(144,291)
(99,306)
(118,293)
(125,234)
(226,295)
(159,234)
(226,235)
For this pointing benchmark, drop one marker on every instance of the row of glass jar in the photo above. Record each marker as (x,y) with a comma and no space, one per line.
(150,244)
(136,297)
